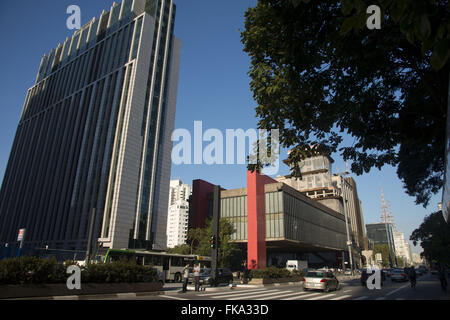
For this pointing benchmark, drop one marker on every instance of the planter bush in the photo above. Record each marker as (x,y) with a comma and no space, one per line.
(33,270)
(276,273)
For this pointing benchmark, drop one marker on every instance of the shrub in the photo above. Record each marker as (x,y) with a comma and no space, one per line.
(120,271)
(33,270)
(276,273)
(30,270)
(271,273)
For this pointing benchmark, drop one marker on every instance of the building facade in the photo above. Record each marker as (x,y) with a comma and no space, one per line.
(274,222)
(178,216)
(381,233)
(94,137)
(334,191)
(402,247)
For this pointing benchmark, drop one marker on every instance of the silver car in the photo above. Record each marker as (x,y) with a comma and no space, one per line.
(399,275)
(320,280)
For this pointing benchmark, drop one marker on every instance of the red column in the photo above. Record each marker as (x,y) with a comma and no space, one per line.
(256,220)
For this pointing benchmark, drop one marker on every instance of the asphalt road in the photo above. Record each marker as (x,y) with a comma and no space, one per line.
(427,288)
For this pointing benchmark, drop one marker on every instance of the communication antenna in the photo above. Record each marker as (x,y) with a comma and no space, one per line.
(386,215)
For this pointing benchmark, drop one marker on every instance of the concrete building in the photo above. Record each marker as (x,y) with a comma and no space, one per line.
(416,259)
(378,233)
(178,216)
(402,247)
(94,136)
(275,223)
(330,190)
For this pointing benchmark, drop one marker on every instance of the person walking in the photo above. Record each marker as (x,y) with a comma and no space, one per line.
(412,277)
(442,279)
(185,277)
(197,276)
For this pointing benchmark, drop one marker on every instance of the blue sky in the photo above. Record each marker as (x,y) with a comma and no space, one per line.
(213,88)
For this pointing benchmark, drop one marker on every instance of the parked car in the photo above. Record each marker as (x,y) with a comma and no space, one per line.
(387,272)
(348,272)
(422,270)
(365,275)
(399,275)
(320,280)
(224,276)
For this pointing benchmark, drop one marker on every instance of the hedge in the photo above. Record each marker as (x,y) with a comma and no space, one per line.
(275,273)
(33,270)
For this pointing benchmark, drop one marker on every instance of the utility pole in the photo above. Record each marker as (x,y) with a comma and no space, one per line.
(215,234)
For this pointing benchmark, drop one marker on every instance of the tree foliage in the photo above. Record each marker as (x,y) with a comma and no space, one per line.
(383,249)
(434,237)
(230,255)
(180,249)
(316,76)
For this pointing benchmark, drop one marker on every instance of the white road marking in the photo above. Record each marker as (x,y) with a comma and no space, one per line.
(322,297)
(342,297)
(361,298)
(173,297)
(283,295)
(255,295)
(398,289)
(232,292)
(305,296)
(219,296)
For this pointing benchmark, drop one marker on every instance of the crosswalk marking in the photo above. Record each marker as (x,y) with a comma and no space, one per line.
(240,295)
(172,297)
(255,295)
(282,295)
(361,298)
(234,292)
(322,297)
(303,296)
(342,297)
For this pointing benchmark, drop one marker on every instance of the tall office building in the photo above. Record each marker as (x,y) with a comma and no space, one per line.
(178,217)
(94,137)
(402,247)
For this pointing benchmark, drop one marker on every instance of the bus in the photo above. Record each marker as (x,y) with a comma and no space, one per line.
(171,265)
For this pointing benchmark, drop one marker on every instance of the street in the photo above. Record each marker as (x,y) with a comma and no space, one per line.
(427,288)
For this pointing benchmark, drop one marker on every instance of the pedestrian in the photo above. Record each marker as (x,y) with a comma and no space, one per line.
(185,277)
(442,278)
(412,277)
(197,276)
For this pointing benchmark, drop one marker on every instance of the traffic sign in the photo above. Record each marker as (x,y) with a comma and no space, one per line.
(21,235)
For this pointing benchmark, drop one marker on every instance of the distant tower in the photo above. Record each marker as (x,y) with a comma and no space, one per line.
(387,219)
(386,214)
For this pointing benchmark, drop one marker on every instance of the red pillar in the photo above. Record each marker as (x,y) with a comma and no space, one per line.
(256,220)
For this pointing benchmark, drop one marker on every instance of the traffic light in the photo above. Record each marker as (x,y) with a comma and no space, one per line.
(212,242)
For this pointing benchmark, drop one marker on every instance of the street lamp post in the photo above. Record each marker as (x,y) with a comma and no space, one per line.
(349,242)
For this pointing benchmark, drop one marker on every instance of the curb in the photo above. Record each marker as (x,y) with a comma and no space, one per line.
(94,297)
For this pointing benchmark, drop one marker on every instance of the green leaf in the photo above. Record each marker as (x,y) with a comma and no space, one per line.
(397,10)
(425,26)
(441,54)
(347,7)
(347,25)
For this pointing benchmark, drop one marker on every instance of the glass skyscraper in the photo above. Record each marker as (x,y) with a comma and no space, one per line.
(94,137)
